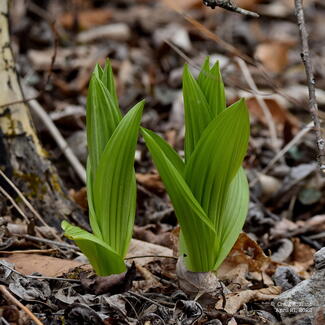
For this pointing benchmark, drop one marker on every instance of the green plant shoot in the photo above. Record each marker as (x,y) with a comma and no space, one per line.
(209,190)
(111,184)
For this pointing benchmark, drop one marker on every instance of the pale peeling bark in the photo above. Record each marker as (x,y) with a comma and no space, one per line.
(22,157)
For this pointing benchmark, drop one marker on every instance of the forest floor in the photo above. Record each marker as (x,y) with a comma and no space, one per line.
(270,276)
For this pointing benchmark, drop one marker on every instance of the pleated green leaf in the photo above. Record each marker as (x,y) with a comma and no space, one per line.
(108,81)
(111,186)
(217,158)
(233,215)
(114,189)
(210,192)
(102,116)
(92,215)
(211,84)
(192,218)
(102,257)
(169,152)
(197,112)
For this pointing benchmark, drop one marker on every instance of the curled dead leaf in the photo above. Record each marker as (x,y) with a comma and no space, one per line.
(151,181)
(274,54)
(235,300)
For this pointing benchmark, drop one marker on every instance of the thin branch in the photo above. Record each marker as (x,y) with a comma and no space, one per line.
(228,5)
(11,299)
(312,105)
(284,150)
(49,242)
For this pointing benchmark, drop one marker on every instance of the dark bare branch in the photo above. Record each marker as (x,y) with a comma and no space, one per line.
(312,105)
(228,5)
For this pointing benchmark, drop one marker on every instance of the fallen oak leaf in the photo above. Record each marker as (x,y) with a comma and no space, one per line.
(235,300)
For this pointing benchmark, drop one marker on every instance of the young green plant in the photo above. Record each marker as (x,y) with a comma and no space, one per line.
(111,184)
(209,190)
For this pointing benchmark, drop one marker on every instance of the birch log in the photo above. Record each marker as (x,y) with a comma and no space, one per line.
(22,157)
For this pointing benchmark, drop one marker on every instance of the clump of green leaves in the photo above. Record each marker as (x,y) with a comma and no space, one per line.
(111,184)
(209,191)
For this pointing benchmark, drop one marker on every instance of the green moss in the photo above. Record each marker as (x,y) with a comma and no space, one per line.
(36,186)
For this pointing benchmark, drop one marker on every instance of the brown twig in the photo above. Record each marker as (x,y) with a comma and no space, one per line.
(11,299)
(228,5)
(312,104)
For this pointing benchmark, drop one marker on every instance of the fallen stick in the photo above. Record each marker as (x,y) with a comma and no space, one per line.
(11,299)
(312,104)
(228,5)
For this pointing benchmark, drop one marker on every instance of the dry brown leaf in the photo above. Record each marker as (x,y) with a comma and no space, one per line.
(87,19)
(183,4)
(246,257)
(149,281)
(273,54)
(302,257)
(247,251)
(280,114)
(80,197)
(286,228)
(45,265)
(142,248)
(235,300)
(248,4)
(234,273)
(151,181)
(161,237)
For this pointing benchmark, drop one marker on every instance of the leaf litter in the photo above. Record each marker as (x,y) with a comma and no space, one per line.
(285,223)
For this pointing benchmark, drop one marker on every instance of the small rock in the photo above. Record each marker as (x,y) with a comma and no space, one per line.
(286,278)
(306,297)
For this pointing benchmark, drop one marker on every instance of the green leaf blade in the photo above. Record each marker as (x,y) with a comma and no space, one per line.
(115,186)
(101,256)
(211,84)
(102,119)
(170,153)
(108,81)
(197,112)
(234,214)
(190,214)
(217,158)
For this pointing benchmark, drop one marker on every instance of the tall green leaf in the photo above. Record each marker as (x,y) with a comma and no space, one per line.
(108,81)
(217,158)
(90,198)
(190,214)
(197,112)
(114,189)
(211,84)
(101,256)
(233,215)
(169,152)
(102,118)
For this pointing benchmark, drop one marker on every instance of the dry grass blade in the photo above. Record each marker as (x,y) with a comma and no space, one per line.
(268,116)
(313,107)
